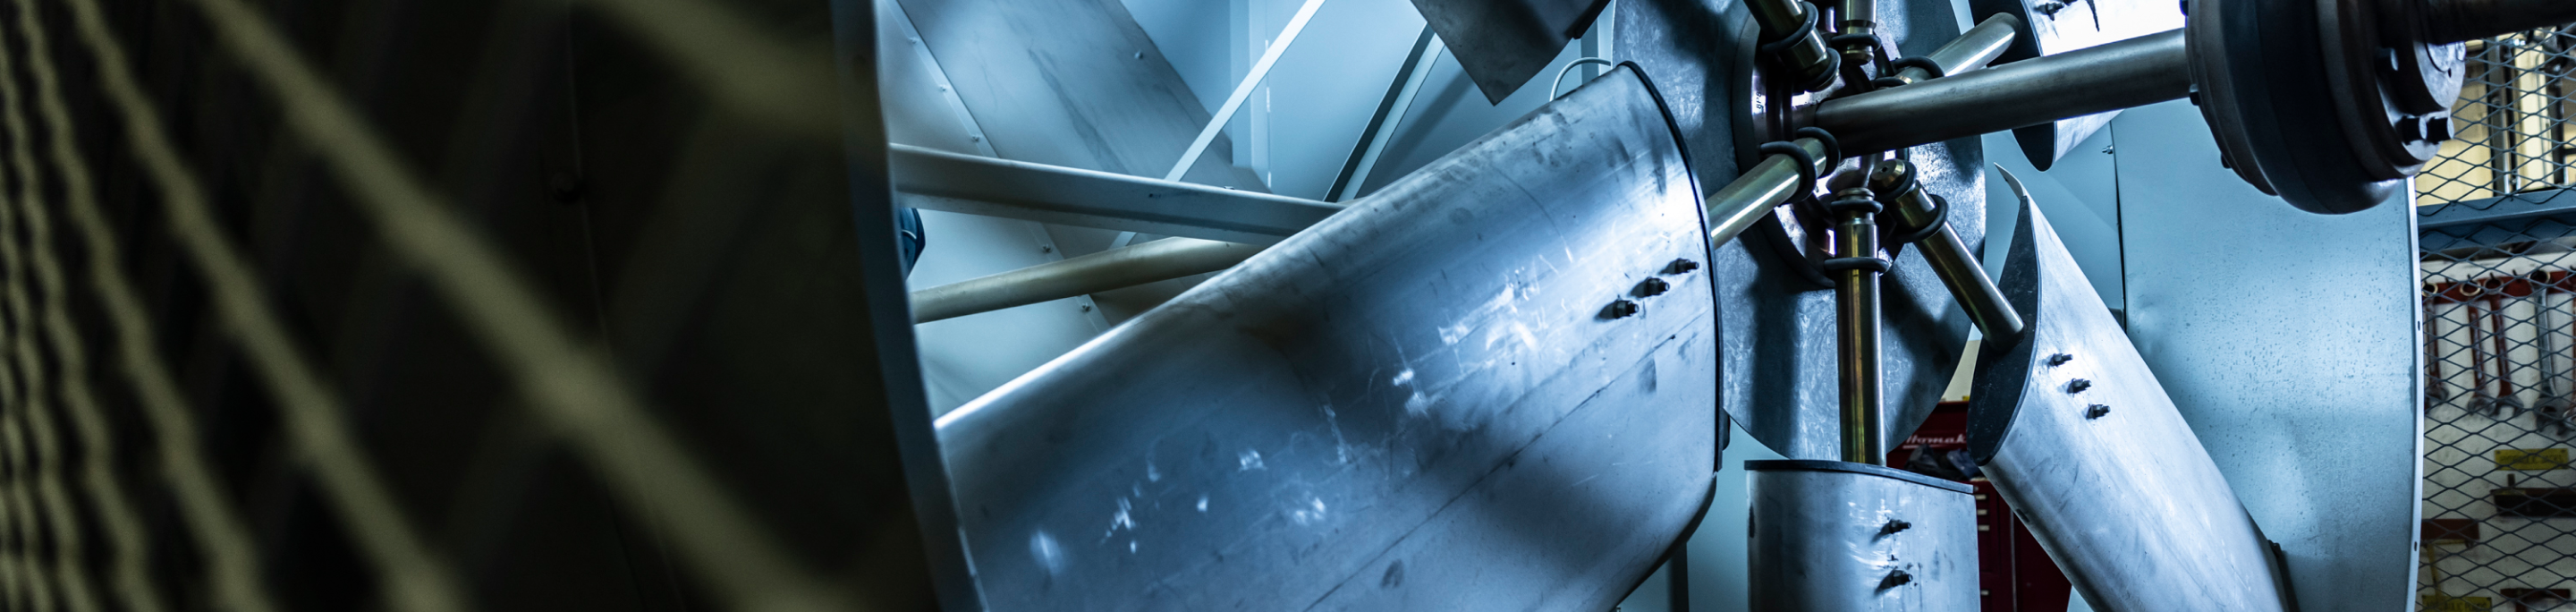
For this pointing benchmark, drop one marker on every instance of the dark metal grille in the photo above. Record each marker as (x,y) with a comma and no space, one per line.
(357,306)
(2500,335)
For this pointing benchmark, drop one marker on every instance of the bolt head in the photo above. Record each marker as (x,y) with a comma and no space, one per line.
(1651,287)
(1620,309)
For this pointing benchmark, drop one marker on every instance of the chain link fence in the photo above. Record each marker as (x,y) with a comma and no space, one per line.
(2499,530)
(358,306)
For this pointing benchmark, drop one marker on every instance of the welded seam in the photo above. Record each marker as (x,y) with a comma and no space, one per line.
(413,579)
(25,581)
(115,514)
(568,384)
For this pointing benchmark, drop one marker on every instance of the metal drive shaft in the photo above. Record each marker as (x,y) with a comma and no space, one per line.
(1972,49)
(2125,74)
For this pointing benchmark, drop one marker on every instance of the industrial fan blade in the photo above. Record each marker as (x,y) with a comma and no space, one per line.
(1490,385)
(2079,437)
(1503,43)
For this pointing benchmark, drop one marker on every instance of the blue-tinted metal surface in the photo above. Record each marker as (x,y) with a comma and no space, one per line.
(1428,401)
(1777,326)
(954,182)
(1071,83)
(2289,340)
(1503,43)
(2050,27)
(1851,537)
(2076,433)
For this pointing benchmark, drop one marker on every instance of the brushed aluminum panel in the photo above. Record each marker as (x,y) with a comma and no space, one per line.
(2078,435)
(1830,536)
(1422,402)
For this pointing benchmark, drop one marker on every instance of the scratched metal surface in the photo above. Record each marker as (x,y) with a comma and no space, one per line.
(1826,537)
(1777,327)
(1417,404)
(1076,83)
(2094,456)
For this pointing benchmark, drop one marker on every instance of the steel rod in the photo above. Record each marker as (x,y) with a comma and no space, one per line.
(1242,91)
(1973,49)
(1730,210)
(1735,207)
(1389,118)
(974,184)
(1856,303)
(2125,74)
(1126,266)
(1807,59)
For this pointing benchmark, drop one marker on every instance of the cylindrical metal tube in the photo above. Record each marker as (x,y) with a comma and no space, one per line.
(2125,74)
(1127,266)
(1856,302)
(1968,282)
(1971,50)
(1856,18)
(2450,21)
(1735,207)
(1894,182)
(1811,64)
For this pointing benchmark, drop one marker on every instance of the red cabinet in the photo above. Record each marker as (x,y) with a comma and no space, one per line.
(2014,574)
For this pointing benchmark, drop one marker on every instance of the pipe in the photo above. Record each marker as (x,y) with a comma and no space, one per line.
(1731,209)
(1750,198)
(1856,303)
(1126,266)
(1948,254)
(2120,75)
(1856,23)
(2450,21)
(1811,66)
(1973,49)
